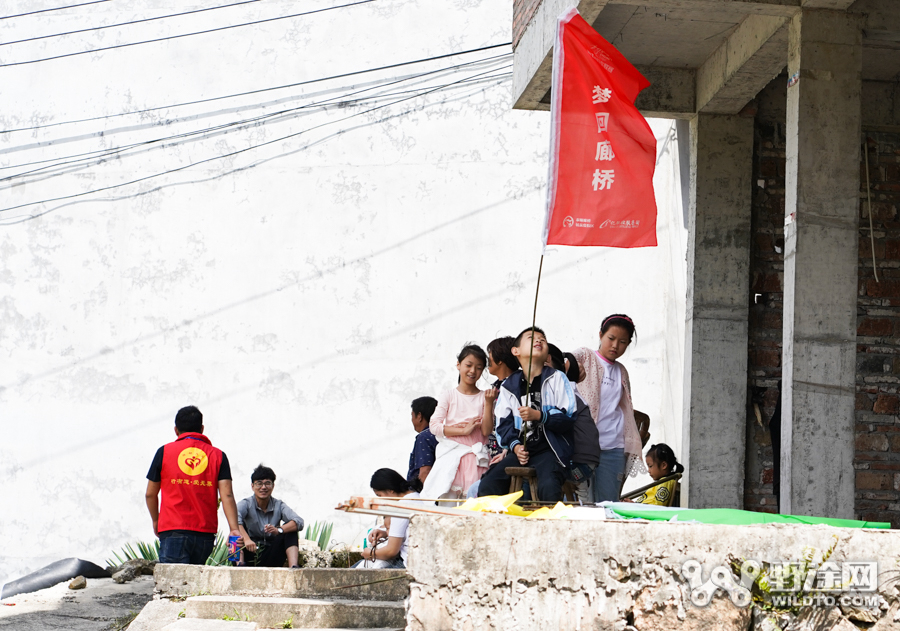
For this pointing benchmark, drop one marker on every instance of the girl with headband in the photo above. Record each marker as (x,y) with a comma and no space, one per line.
(607,391)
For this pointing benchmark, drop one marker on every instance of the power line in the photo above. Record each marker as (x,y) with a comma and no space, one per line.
(309,145)
(71,6)
(163,39)
(98,28)
(464,83)
(279,87)
(211,178)
(102,155)
(239,151)
(345,95)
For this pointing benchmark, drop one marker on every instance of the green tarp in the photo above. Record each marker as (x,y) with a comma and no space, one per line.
(734,517)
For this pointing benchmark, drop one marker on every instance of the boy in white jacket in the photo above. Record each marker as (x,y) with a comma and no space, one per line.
(547,412)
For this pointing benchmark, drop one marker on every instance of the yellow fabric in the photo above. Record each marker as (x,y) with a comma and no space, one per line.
(491,503)
(548,513)
(660,495)
(506,504)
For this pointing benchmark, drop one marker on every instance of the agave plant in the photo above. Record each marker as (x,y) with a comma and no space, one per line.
(219,554)
(150,552)
(320,533)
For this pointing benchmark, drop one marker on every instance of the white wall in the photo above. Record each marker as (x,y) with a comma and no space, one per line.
(301,294)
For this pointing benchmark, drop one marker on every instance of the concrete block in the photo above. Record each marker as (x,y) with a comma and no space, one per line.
(821,619)
(305,613)
(156,615)
(821,274)
(672,92)
(497,572)
(533,60)
(198,624)
(194,580)
(715,395)
(743,65)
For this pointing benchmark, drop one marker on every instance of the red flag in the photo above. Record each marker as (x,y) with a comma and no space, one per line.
(602,151)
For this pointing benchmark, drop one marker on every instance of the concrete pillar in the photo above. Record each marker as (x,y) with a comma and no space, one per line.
(820,263)
(718,285)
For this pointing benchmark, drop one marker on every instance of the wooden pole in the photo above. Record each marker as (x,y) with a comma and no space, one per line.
(529,376)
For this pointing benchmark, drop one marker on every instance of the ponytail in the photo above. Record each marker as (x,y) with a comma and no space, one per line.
(661,452)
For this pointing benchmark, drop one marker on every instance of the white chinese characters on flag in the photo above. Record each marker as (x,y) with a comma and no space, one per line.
(602,151)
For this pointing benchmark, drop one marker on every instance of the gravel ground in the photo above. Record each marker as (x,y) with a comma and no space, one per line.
(102,605)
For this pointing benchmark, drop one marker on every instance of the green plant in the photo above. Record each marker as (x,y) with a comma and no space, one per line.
(795,579)
(148,551)
(181,613)
(288,624)
(236,617)
(219,553)
(320,533)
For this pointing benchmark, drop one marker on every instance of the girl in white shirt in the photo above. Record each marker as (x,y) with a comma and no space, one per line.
(607,391)
(391,551)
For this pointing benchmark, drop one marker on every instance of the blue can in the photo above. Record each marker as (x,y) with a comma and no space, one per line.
(234,554)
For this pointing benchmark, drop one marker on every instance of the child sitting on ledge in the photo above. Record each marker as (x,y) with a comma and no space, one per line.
(661,462)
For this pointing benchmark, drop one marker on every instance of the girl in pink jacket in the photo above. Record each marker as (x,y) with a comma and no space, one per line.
(607,391)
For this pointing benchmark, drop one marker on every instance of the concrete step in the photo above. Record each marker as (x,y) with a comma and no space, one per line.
(156,615)
(198,624)
(304,613)
(345,584)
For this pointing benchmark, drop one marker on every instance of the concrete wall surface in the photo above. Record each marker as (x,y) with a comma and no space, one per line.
(301,293)
(499,572)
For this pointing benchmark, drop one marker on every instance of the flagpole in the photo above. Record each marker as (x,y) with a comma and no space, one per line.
(531,353)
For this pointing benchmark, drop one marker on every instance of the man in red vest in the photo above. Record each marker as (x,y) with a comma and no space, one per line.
(192,475)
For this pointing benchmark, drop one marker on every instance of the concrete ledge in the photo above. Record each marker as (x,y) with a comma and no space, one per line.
(156,614)
(197,624)
(304,613)
(196,580)
(496,572)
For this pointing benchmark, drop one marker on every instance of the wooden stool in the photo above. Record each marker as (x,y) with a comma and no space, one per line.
(569,492)
(517,475)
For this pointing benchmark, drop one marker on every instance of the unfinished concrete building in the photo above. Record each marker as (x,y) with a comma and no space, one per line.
(789,276)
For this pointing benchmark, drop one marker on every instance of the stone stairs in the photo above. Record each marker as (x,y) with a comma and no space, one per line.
(205,597)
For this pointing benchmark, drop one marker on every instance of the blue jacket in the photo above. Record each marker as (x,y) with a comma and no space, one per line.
(558,412)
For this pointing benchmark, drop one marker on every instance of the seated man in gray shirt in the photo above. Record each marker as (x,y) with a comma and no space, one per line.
(268,525)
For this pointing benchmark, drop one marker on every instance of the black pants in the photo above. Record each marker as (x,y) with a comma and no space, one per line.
(270,551)
(183,546)
(549,476)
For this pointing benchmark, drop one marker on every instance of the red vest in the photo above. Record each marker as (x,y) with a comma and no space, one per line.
(190,484)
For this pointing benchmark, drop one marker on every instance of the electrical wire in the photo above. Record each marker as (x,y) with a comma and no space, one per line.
(211,178)
(232,153)
(100,28)
(71,6)
(231,171)
(103,153)
(279,87)
(164,39)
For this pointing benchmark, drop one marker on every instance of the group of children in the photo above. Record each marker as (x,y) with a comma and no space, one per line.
(569,416)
